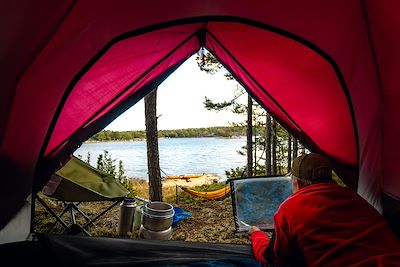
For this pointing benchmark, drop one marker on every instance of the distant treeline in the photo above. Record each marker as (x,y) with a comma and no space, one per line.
(232,131)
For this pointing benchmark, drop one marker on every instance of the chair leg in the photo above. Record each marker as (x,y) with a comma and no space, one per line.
(72,214)
(68,206)
(52,213)
(87,218)
(102,213)
(74,228)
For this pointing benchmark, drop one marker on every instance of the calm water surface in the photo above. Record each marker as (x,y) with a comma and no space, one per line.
(178,156)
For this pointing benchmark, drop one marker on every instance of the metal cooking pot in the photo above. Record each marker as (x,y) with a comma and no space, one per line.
(157,235)
(157,216)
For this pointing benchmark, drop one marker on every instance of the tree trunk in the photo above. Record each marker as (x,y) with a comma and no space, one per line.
(268,135)
(249,169)
(153,162)
(295,148)
(255,150)
(289,153)
(302,149)
(274,144)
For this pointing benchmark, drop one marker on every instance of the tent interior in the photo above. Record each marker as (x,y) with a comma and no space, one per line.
(327,74)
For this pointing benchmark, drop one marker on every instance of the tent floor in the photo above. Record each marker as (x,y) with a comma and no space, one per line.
(64,250)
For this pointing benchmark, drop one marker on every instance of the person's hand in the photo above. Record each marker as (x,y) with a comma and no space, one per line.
(253,229)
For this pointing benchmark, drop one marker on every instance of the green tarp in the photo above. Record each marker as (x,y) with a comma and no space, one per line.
(77,181)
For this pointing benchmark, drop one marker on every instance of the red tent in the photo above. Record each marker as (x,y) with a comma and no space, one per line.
(326,70)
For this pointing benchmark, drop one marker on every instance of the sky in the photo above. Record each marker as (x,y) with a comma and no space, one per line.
(180,102)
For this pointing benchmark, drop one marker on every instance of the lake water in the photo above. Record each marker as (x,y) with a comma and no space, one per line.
(178,156)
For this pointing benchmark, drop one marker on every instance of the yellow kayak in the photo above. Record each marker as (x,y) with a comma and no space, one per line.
(185,176)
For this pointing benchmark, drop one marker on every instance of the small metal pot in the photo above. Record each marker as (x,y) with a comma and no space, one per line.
(157,216)
(157,235)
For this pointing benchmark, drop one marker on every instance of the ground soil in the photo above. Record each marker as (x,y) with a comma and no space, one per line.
(211,221)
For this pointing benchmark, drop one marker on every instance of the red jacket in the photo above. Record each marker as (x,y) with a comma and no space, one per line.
(328,225)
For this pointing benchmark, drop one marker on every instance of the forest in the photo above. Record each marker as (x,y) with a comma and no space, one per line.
(222,131)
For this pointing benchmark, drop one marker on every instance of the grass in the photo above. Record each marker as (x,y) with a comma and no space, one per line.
(172,194)
(207,215)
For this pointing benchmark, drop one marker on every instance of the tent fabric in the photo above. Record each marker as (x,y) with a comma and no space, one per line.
(77,181)
(327,70)
(64,250)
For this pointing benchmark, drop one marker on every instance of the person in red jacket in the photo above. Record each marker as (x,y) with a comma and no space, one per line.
(324,224)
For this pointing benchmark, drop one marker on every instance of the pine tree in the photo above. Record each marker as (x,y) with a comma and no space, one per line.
(153,161)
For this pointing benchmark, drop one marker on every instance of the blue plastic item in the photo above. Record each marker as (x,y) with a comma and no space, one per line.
(179,215)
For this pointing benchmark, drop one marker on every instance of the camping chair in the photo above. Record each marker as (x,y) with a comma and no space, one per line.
(78,182)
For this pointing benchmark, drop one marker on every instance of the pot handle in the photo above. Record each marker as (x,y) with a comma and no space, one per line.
(143,200)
